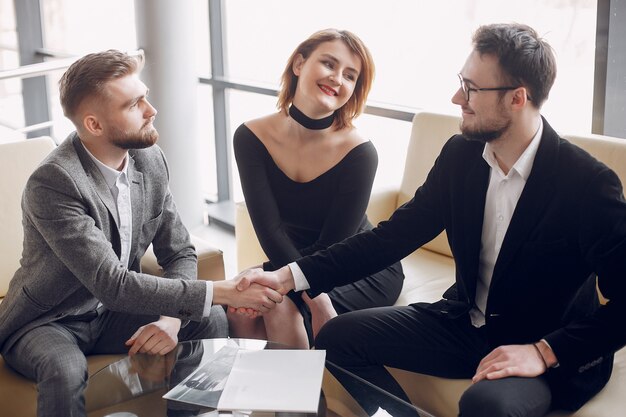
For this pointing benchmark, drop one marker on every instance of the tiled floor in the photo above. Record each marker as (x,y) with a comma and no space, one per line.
(222,239)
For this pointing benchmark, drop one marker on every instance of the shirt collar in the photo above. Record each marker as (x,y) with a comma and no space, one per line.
(524,163)
(110,175)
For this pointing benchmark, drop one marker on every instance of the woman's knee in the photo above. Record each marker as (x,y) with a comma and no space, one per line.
(283,314)
(244,326)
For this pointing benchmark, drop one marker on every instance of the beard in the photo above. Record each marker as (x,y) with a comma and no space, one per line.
(489,131)
(144,138)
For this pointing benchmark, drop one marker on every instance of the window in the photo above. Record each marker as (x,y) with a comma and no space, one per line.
(417,57)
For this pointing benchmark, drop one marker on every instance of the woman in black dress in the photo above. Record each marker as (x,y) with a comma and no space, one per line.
(307,175)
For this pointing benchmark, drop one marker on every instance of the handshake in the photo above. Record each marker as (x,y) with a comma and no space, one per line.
(254,291)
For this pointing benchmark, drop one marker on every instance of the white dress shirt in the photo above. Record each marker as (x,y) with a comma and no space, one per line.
(502,196)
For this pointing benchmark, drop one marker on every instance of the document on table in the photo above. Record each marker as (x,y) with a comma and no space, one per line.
(275,380)
(205,384)
(257,380)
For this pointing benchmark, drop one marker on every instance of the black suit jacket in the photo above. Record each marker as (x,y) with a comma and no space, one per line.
(569,226)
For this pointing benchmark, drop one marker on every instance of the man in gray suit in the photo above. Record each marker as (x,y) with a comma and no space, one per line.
(90,210)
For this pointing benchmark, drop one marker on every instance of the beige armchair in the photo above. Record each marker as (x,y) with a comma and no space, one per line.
(18,395)
(429,271)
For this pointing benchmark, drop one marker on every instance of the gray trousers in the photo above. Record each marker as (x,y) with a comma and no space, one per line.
(54,355)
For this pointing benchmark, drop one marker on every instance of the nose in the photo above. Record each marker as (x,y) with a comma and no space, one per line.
(150,110)
(335,79)
(458,97)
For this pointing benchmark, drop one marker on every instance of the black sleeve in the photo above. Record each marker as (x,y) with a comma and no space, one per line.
(602,239)
(347,211)
(251,155)
(418,221)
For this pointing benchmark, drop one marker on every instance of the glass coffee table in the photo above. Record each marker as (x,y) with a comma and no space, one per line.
(136,385)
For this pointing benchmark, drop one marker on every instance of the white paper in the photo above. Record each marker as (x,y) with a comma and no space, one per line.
(275,380)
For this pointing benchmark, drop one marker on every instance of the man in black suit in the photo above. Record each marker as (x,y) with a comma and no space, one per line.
(531,220)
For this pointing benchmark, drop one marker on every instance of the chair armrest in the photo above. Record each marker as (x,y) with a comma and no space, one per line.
(210,261)
(249,251)
(383,202)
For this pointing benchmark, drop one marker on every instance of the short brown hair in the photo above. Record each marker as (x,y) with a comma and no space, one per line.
(356,103)
(88,76)
(525,58)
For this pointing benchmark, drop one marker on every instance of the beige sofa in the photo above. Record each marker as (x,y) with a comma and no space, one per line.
(430,269)
(18,158)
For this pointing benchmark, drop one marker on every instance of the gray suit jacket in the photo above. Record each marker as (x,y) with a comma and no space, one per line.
(70,259)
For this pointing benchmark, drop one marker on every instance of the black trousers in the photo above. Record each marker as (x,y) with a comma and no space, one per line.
(419,340)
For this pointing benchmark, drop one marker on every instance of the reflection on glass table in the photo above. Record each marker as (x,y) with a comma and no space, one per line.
(137,385)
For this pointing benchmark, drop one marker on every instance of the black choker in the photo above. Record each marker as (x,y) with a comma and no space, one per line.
(306,121)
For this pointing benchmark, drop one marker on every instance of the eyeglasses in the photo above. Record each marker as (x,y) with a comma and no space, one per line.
(466,89)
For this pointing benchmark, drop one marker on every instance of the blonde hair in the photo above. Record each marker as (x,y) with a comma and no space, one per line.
(88,76)
(355,105)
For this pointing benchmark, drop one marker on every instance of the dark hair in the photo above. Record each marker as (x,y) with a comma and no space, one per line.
(88,76)
(355,105)
(525,58)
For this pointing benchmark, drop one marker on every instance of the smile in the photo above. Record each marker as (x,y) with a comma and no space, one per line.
(327,90)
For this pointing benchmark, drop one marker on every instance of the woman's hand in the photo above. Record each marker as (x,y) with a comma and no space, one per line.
(322,310)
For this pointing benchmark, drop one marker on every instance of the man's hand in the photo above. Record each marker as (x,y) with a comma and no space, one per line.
(156,338)
(248,312)
(280,280)
(251,295)
(511,360)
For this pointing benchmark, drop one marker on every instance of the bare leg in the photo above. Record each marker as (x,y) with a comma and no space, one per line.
(284,324)
(245,327)
(322,310)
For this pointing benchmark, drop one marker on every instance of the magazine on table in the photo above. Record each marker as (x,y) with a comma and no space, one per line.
(259,380)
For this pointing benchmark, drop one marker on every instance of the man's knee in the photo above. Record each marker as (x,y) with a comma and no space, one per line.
(345,339)
(333,333)
(476,404)
(509,397)
(219,322)
(67,371)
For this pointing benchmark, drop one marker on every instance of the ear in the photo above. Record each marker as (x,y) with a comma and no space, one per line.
(92,125)
(520,98)
(297,65)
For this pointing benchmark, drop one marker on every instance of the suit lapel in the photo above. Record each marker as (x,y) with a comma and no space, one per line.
(475,191)
(99,184)
(137,203)
(536,195)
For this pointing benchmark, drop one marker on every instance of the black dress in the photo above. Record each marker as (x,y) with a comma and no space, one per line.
(294,219)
